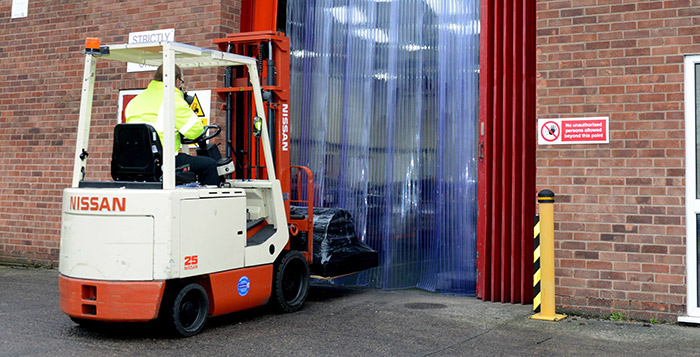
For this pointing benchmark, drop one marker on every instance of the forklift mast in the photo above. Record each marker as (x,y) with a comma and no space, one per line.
(257,39)
(262,15)
(243,143)
(272,52)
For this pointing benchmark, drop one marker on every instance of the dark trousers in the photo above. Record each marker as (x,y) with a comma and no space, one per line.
(203,166)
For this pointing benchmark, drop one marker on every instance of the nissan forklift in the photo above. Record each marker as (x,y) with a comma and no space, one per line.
(153,244)
(146,246)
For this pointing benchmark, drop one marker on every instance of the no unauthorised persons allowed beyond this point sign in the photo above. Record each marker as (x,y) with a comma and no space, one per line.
(573,131)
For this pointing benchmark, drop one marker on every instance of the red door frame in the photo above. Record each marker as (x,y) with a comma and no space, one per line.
(506,151)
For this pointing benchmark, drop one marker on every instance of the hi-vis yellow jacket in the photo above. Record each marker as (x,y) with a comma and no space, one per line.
(147,108)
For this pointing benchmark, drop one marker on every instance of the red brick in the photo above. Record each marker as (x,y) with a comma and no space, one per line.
(609,275)
(669,279)
(642,277)
(625,285)
(655,268)
(599,284)
(599,265)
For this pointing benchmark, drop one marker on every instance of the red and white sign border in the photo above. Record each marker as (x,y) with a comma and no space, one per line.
(558,137)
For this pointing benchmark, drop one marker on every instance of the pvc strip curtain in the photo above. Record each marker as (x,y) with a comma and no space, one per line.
(384,106)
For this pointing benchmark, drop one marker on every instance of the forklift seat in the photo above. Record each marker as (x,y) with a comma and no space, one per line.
(137,154)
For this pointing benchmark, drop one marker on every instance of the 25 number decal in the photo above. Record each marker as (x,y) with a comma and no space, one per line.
(191,260)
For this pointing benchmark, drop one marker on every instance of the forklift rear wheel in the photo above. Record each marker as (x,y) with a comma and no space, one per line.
(291,282)
(188,310)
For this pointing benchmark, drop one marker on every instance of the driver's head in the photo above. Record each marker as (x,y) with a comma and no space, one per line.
(159,73)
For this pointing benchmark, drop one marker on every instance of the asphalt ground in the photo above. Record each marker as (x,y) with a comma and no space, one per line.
(336,321)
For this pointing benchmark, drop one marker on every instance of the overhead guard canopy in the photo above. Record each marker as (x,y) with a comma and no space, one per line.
(155,54)
(186,56)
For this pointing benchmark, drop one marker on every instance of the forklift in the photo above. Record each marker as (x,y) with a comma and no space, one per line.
(153,244)
(144,247)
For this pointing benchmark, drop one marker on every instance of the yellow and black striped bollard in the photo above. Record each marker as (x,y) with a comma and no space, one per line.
(544,261)
(537,274)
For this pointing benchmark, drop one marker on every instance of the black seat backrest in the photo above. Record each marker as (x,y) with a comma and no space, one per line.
(137,154)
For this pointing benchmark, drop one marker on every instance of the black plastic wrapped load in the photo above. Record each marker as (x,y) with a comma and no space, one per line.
(337,251)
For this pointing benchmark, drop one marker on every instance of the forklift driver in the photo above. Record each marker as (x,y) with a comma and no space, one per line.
(147,108)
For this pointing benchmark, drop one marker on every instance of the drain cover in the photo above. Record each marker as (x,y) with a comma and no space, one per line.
(424,306)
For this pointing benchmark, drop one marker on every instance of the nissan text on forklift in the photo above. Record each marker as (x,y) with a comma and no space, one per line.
(126,252)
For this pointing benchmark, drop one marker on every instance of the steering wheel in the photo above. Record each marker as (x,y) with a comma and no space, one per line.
(202,138)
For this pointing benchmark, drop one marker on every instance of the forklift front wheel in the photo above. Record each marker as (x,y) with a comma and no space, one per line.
(187,312)
(291,282)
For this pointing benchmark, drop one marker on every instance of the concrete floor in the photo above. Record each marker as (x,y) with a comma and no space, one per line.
(336,321)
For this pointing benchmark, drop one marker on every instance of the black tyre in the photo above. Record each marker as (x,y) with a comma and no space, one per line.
(187,311)
(290,285)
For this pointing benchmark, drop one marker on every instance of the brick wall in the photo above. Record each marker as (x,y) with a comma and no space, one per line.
(40,79)
(620,214)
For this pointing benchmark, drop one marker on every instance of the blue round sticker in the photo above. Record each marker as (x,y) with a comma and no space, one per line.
(243,286)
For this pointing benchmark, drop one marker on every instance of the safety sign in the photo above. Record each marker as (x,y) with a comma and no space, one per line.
(148,36)
(19,8)
(573,131)
(196,107)
(201,105)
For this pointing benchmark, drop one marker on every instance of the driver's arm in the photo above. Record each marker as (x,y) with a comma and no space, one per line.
(186,121)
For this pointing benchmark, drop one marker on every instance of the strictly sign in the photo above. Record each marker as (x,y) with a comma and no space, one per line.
(573,131)
(144,37)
